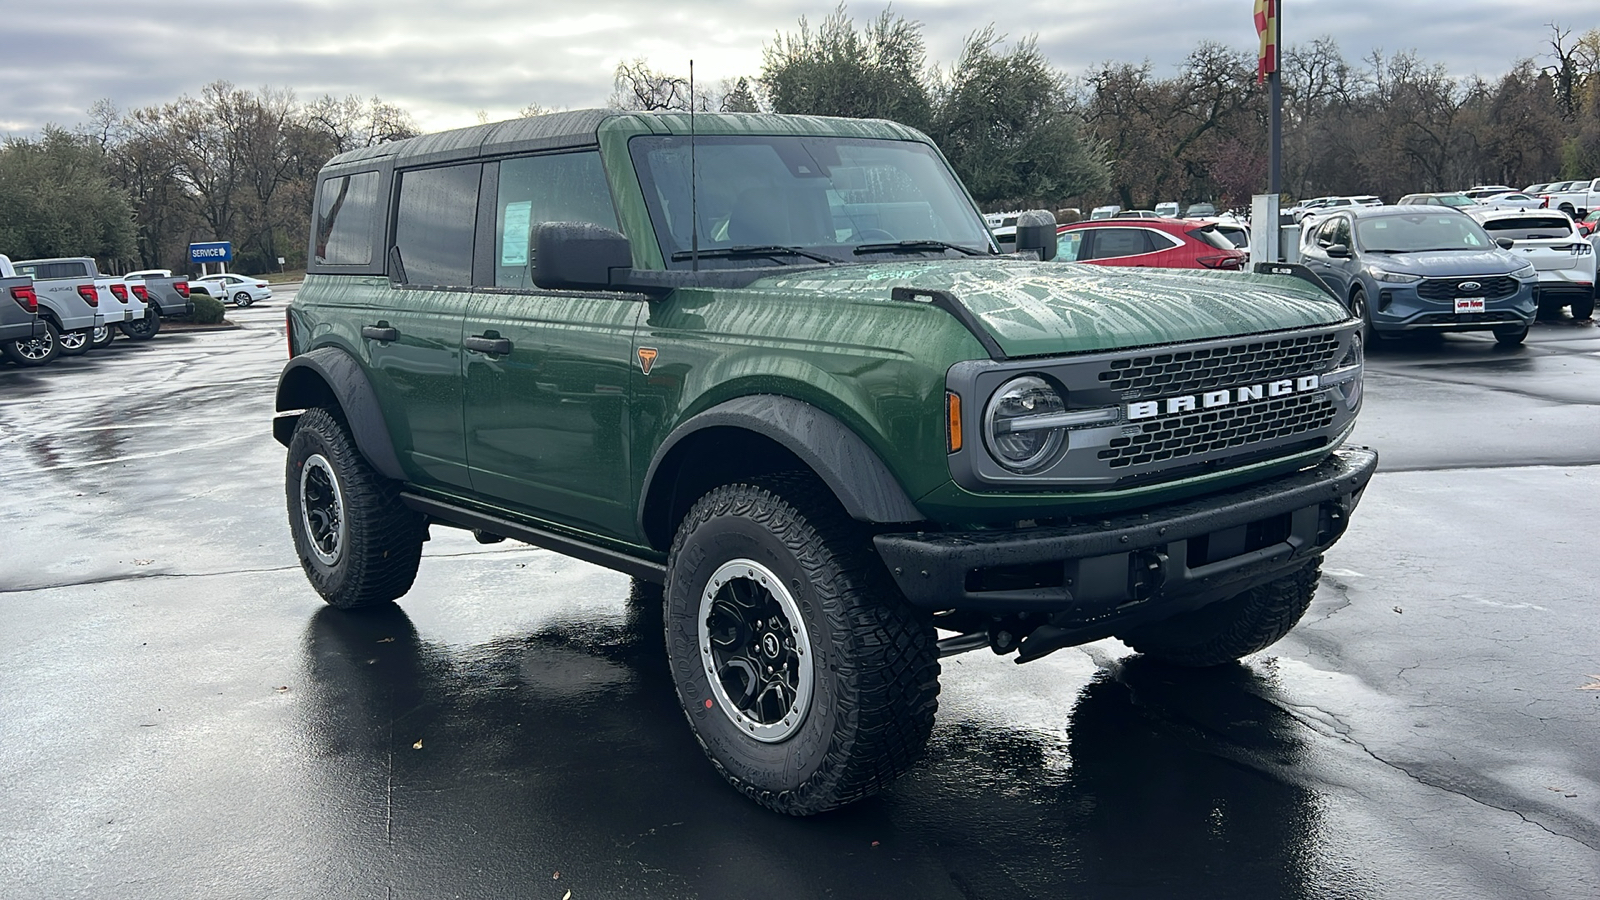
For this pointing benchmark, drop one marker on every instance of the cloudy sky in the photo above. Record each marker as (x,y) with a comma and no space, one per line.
(445,62)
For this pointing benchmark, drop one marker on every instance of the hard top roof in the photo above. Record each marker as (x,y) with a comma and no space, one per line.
(1369,212)
(583,128)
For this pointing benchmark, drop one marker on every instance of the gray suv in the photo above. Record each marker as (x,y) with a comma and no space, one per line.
(1421,268)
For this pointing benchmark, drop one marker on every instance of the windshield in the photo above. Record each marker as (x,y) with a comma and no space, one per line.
(1421,231)
(1457,200)
(825,195)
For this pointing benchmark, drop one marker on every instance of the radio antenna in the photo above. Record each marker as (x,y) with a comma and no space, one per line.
(694,194)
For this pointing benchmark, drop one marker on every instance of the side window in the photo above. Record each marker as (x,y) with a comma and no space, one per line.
(1069,246)
(566,187)
(1162,241)
(346,207)
(1112,243)
(435,222)
(1325,233)
(1341,231)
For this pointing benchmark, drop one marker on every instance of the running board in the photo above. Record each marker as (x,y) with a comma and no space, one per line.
(451,514)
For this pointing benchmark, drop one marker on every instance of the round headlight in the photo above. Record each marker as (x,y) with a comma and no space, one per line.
(1017,424)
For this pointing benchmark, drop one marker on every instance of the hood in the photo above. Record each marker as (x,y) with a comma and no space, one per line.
(1446,263)
(1036,309)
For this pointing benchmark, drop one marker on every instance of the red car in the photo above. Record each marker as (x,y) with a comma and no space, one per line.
(1589,223)
(1163,243)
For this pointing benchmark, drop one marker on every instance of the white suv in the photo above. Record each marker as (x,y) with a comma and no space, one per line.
(1549,240)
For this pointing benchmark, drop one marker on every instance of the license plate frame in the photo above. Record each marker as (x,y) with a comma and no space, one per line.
(1470,305)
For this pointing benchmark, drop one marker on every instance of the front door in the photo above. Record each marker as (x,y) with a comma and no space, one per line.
(546,406)
(547,372)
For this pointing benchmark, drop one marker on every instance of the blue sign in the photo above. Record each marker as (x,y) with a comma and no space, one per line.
(216,251)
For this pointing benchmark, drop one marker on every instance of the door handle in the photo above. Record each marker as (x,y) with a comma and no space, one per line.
(380,332)
(489,346)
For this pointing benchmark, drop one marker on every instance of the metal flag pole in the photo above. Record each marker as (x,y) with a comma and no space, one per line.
(1275,100)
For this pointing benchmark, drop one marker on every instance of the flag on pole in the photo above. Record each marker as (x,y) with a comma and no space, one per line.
(1267,30)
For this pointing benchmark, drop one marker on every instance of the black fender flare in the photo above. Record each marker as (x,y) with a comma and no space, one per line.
(310,378)
(865,487)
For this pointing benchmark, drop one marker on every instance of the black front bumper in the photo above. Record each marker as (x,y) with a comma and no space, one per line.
(1135,567)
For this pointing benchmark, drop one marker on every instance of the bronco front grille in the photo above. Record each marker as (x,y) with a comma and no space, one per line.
(1191,371)
(1180,436)
(1490,288)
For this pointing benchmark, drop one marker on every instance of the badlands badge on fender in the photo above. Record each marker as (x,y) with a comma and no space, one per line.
(647,358)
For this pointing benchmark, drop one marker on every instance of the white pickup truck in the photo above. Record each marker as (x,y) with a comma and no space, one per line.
(76,299)
(1577,201)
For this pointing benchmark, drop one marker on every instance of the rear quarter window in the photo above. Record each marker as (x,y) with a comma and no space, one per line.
(347,208)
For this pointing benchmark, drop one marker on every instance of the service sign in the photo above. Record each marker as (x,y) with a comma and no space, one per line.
(213,252)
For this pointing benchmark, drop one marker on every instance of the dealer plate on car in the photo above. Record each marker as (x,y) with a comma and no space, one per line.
(1469,304)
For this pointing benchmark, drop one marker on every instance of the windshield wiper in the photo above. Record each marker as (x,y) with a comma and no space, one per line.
(913,246)
(743,252)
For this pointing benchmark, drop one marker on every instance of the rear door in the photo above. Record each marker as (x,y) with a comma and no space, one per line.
(1121,246)
(1314,253)
(413,339)
(547,372)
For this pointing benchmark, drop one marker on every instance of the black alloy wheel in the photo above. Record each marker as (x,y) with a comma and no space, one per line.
(806,677)
(143,329)
(357,542)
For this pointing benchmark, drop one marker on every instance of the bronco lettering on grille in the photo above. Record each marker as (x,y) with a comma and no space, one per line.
(1283,387)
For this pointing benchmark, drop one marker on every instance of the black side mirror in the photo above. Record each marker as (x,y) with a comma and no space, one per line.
(1505,243)
(1339,251)
(578,256)
(1036,230)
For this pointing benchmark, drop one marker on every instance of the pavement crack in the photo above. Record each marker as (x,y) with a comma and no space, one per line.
(1343,732)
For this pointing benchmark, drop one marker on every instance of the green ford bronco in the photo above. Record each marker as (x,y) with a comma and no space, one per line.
(777,365)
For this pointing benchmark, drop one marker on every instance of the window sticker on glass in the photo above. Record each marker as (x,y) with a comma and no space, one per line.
(514,242)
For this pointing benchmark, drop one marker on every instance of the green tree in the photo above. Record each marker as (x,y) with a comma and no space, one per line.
(1005,122)
(57,198)
(880,72)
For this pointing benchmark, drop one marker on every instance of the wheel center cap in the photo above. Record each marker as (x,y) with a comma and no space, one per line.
(769,645)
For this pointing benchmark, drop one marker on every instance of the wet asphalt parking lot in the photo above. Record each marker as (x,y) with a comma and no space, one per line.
(182,717)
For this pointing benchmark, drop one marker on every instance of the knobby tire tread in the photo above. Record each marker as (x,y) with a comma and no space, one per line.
(890,683)
(1233,628)
(384,540)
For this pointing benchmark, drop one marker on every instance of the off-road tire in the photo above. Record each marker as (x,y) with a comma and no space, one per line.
(381,545)
(76,343)
(872,656)
(143,329)
(1226,630)
(25,352)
